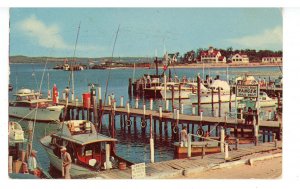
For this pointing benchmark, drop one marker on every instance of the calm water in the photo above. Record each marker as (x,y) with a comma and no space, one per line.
(133,146)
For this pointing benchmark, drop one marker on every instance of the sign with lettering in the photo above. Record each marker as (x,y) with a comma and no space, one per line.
(138,171)
(250,91)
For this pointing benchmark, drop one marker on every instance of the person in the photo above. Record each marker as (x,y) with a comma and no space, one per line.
(183,136)
(250,116)
(66,165)
(32,163)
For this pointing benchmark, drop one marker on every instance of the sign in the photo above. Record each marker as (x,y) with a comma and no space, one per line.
(250,91)
(138,171)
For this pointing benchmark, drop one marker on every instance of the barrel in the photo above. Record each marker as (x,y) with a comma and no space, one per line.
(86,97)
(122,165)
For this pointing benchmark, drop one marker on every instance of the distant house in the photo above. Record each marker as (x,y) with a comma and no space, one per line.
(212,56)
(273,59)
(170,58)
(239,58)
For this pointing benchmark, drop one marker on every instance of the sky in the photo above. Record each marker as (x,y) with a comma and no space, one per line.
(143,31)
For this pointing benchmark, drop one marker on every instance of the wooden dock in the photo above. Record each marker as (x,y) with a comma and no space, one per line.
(179,167)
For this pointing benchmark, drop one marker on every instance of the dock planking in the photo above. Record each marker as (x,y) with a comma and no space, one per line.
(166,169)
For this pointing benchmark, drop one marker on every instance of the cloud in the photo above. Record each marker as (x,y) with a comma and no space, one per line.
(49,36)
(44,35)
(269,38)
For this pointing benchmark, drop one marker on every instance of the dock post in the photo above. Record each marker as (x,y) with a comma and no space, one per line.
(121,101)
(201,115)
(134,124)
(273,137)
(226,152)
(130,87)
(222,139)
(160,112)
(237,142)
(275,142)
(136,102)
(107,156)
(144,109)
(177,115)
(172,87)
(167,105)
(263,136)
(181,108)
(193,110)
(256,128)
(77,113)
(109,100)
(230,94)
(154,120)
(199,93)
(121,121)
(219,95)
(212,101)
(128,107)
(189,145)
(269,136)
(179,99)
(151,141)
(151,103)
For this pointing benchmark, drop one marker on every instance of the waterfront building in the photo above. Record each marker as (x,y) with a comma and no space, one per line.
(239,58)
(273,59)
(212,56)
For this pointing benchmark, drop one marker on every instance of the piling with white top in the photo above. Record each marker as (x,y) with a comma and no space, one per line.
(189,145)
(122,101)
(76,101)
(201,115)
(109,100)
(181,109)
(151,104)
(151,141)
(136,102)
(222,139)
(256,128)
(49,94)
(177,114)
(128,107)
(193,110)
(115,104)
(167,105)
(174,113)
(269,115)
(107,155)
(160,112)
(144,109)
(226,151)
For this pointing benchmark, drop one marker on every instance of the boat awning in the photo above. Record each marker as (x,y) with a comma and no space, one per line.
(84,139)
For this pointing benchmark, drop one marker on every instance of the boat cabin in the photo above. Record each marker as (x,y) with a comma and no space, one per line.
(86,147)
(28,98)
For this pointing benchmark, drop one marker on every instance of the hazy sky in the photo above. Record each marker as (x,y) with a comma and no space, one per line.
(52,31)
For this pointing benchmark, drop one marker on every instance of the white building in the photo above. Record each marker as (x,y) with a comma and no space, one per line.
(239,58)
(212,56)
(272,59)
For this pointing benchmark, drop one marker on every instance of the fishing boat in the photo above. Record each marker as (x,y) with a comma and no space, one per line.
(27,101)
(211,95)
(17,149)
(264,101)
(186,90)
(90,152)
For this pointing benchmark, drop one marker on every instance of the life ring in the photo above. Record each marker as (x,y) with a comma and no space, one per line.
(200,132)
(128,122)
(143,123)
(175,129)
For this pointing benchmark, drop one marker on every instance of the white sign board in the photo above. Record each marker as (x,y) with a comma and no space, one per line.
(250,91)
(138,171)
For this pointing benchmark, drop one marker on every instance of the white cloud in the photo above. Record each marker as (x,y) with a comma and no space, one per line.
(267,39)
(45,36)
(49,36)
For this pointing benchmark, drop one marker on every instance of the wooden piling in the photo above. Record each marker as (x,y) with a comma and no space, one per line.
(130,87)
(199,94)
(179,99)
(172,97)
(219,96)
(230,94)
(212,99)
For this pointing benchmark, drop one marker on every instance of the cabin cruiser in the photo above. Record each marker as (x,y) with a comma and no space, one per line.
(212,93)
(264,101)
(28,101)
(90,152)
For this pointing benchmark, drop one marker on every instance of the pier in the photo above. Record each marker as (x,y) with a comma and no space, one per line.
(186,166)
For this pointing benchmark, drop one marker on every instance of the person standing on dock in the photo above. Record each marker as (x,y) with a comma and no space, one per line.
(183,136)
(32,164)
(66,165)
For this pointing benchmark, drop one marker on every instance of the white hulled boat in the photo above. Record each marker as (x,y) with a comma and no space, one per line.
(90,152)
(27,102)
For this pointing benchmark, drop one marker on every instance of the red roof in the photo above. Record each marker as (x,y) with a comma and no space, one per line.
(221,58)
(211,54)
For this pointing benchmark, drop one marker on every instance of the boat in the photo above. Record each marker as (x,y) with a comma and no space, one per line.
(212,93)
(186,90)
(27,101)
(17,149)
(197,147)
(90,151)
(264,101)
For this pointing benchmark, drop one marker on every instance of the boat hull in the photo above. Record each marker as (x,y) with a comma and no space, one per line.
(184,94)
(44,115)
(206,99)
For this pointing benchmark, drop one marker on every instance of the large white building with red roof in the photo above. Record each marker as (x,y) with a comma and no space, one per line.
(212,56)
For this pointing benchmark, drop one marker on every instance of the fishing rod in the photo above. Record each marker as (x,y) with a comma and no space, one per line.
(108,78)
